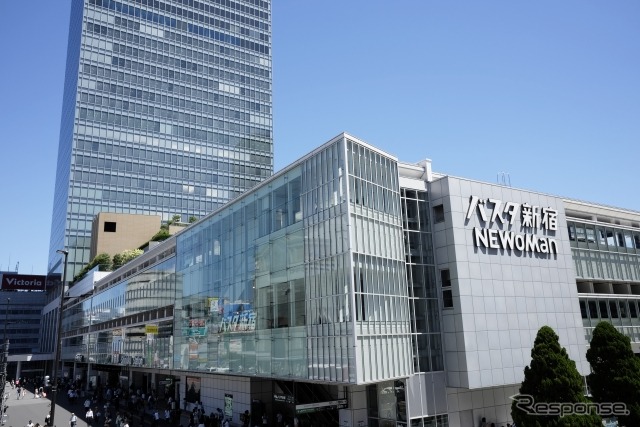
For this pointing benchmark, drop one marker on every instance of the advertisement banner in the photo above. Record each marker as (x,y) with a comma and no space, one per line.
(228,405)
(193,389)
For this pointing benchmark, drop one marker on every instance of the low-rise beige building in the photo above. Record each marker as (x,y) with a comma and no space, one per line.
(113,233)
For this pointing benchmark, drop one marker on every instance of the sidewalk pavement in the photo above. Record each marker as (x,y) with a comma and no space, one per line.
(27,408)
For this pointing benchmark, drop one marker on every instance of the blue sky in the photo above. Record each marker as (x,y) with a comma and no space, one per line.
(546,91)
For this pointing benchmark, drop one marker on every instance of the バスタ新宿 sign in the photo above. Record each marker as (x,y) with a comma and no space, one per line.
(532,220)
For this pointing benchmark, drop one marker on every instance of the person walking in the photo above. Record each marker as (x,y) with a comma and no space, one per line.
(73,420)
(89,417)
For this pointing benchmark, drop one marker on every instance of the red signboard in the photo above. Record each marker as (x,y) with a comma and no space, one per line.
(23,282)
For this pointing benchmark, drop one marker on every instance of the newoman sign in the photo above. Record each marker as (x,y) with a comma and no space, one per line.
(532,219)
(23,282)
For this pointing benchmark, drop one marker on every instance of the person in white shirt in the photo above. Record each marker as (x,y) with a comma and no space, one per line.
(73,420)
(89,417)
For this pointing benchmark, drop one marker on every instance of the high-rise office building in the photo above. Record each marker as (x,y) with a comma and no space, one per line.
(166,110)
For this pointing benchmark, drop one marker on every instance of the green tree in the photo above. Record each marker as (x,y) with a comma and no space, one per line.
(125,256)
(117,261)
(161,235)
(192,219)
(552,377)
(615,373)
(103,260)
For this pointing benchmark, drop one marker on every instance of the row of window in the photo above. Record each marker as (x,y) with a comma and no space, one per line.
(176,37)
(184,26)
(16,311)
(199,81)
(601,237)
(173,49)
(167,87)
(228,4)
(98,116)
(200,162)
(230,27)
(108,179)
(205,7)
(196,119)
(606,265)
(218,124)
(148,171)
(157,58)
(169,100)
(610,309)
(178,148)
(175,159)
(213,47)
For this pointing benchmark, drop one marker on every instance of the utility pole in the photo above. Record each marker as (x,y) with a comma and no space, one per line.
(56,361)
(5,361)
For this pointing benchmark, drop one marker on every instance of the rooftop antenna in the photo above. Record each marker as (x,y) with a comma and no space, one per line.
(504,178)
(17,265)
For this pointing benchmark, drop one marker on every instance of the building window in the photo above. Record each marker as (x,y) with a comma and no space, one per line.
(447,298)
(438,214)
(583,309)
(109,227)
(447,295)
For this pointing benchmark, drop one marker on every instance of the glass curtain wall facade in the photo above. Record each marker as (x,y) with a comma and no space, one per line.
(382,316)
(421,276)
(166,110)
(124,324)
(607,262)
(283,282)
(605,252)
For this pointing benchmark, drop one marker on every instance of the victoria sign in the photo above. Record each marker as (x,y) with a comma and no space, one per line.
(23,282)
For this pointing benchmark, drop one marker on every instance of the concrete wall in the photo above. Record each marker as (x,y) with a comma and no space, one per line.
(132,231)
(501,297)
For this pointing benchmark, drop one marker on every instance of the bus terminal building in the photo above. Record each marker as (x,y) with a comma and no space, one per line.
(357,290)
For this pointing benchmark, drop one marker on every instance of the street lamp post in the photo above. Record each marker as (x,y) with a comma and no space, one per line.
(56,361)
(5,360)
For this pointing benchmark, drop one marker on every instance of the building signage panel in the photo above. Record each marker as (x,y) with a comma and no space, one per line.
(321,406)
(23,282)
(151,329)
(531,220)
(228,405)
(283,398)
(237,318)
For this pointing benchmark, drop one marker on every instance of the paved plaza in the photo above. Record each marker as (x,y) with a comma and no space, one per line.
(27,408)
